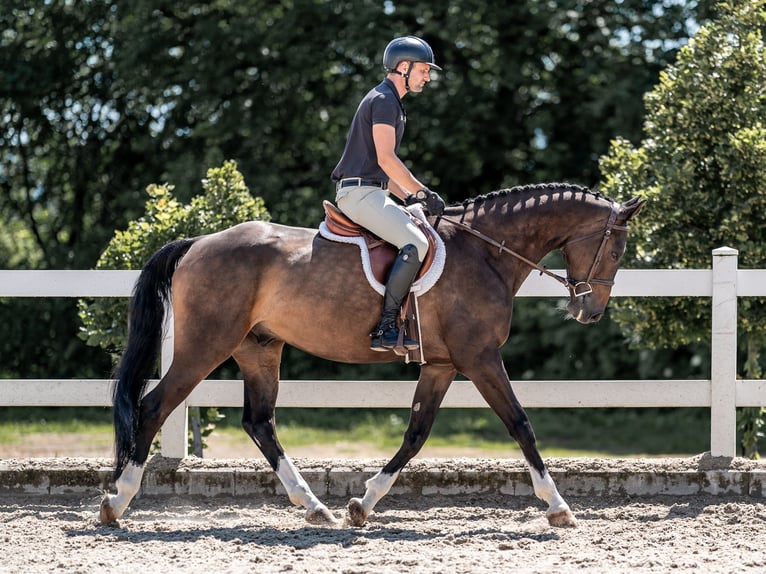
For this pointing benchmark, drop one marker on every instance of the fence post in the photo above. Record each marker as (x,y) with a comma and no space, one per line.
(723,368)
(176,428)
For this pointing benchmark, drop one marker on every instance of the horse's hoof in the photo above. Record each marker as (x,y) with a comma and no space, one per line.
(322,516)
(562,518)
(356,515)
(106,513)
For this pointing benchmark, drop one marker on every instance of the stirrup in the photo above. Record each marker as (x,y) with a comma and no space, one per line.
(407,343)
(386,338)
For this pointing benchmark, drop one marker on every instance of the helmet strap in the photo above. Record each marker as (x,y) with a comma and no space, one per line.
(406,75)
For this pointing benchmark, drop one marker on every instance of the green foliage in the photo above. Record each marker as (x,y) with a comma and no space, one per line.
(701,166)
(751,420)
(531,91)
(544,346)
(225,201)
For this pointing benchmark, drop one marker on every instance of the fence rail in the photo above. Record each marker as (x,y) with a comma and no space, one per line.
(722,393)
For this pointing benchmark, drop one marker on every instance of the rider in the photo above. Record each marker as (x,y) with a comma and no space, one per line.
(370,170)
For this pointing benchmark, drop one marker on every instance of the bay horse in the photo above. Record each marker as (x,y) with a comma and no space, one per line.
(247,291)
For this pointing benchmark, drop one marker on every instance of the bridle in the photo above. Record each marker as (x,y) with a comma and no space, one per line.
(576,288)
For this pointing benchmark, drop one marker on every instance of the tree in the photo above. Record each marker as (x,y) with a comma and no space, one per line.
(701,166)
(67,159)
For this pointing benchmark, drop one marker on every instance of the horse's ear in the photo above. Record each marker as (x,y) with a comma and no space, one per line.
(630,208)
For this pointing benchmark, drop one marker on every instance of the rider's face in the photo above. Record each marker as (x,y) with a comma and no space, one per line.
(419,76)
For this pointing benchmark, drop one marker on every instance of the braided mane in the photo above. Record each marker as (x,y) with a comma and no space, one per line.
(532,188)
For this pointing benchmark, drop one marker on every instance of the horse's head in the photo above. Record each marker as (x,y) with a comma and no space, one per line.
(592,261)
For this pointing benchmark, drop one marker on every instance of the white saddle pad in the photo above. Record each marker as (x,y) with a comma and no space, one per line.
(420,286)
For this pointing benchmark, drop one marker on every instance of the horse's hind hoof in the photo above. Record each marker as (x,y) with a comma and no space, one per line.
(322,516)
(356,514)
(106,513)
(562,519)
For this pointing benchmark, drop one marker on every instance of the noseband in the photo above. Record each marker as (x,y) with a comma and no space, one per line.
(580,288)
(576,288)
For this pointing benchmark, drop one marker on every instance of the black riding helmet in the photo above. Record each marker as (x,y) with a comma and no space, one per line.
(407,49)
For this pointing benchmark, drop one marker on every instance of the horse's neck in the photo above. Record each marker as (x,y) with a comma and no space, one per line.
(535,225)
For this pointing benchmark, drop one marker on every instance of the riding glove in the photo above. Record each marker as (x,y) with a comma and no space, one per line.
(430,199)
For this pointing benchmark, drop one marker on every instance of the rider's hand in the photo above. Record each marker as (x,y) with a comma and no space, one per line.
(434,204)
(411,200)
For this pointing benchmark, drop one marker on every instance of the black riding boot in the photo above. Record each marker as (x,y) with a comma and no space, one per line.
(386,335)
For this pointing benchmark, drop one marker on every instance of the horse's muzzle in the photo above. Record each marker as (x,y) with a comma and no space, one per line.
(582,313)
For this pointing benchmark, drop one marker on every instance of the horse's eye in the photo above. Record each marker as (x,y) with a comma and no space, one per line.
(615,255)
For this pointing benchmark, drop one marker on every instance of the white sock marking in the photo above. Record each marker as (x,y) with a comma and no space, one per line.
(298,490)
(127,487)
(377,487)
(545,489)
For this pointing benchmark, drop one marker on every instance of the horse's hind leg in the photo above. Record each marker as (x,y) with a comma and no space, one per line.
(196,352)
(492,382)
(156,406)
(429,393)
(258,357)
(113,505)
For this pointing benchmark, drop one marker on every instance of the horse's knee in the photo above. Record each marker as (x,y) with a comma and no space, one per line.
(261,430)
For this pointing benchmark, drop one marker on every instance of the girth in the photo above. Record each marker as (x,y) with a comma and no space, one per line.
(382,253)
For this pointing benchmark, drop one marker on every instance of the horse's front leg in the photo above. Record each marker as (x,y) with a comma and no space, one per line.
(259,363)
(429,393)
(558,513)
(490,377)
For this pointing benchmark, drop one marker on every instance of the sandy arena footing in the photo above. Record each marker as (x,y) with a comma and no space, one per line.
(574,477)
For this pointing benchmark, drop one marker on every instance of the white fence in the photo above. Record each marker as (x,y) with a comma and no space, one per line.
(722,393)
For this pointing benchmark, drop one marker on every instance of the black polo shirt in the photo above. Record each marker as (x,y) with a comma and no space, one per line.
(381,105)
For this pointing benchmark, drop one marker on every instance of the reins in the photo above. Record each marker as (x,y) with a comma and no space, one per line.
(576,288)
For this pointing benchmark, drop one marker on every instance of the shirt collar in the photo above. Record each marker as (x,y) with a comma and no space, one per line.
(387,82)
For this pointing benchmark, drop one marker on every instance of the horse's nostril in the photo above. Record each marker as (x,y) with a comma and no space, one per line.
(596,317)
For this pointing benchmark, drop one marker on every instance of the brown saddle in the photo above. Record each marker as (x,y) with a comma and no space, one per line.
(382,253)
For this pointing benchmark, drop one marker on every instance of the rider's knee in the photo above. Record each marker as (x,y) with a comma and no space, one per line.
(411,251)
(419,248)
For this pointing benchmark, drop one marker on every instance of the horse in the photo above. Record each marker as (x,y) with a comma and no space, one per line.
(247,291)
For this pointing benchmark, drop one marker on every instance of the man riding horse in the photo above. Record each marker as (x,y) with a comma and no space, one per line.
(244,293)
(370,171)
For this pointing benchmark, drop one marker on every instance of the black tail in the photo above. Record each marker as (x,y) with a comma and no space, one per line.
(146,319)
